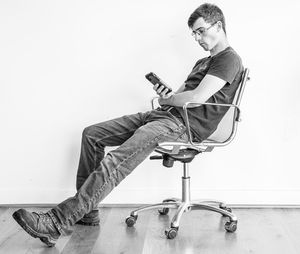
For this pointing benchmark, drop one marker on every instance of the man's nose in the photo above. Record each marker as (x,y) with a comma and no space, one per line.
(197,37)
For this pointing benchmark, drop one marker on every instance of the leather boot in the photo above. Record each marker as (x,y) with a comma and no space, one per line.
(38,225)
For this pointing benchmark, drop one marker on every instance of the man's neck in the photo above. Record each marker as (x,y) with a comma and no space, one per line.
(220,46)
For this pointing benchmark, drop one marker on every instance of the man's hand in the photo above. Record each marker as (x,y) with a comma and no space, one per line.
(162,91)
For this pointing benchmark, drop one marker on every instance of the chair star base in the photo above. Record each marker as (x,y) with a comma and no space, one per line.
(185,205)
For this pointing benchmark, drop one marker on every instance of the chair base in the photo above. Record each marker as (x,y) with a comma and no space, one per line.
(183,205)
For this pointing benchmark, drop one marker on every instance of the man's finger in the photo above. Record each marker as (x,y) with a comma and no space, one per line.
(165,91)
(160,89)
(155,87)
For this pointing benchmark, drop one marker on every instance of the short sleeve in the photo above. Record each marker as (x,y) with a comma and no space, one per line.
(225,66)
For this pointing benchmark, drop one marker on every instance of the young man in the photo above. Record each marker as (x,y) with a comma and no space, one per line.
(213,79)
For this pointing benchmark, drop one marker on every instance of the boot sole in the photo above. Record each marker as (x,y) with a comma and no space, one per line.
(44,238)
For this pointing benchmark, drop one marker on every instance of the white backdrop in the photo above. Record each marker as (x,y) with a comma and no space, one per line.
(67,64)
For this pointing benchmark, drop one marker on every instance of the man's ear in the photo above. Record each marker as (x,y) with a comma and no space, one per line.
(219,26)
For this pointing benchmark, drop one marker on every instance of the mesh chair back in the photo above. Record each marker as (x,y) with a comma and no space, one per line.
(230,119)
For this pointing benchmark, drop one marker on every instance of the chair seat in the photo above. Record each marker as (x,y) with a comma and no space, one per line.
(183,155)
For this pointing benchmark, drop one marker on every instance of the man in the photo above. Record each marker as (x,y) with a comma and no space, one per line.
(213,79)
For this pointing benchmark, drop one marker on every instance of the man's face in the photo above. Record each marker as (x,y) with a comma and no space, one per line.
(205,34)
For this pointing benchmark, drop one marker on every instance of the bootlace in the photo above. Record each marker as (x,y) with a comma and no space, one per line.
(43,217)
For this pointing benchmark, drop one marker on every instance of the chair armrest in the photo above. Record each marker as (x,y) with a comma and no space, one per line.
(210,143)
(153,100)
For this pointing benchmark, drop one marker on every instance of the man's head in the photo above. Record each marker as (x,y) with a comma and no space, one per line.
(208,25)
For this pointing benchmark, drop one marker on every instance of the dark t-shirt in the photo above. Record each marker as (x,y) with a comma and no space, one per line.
(226,65)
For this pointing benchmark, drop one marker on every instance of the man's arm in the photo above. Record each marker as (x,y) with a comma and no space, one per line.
(208,86)
(180,89)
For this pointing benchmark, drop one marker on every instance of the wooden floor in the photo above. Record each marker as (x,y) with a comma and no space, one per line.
(259,231)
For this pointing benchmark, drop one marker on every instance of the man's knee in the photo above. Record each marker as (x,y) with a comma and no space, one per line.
(93,132)
(88,132)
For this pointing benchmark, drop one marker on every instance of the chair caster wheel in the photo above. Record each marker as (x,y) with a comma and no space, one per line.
(228,209)
(171,233)
(163,211)
(231,226)
(131,220)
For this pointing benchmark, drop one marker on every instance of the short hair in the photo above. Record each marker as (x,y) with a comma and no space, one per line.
(210,13)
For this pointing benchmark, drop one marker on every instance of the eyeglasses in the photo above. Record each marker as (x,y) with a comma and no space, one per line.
(202,30)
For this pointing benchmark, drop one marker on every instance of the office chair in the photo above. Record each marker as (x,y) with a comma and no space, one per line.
(185,153)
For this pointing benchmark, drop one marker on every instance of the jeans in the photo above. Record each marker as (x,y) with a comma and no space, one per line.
(136,136)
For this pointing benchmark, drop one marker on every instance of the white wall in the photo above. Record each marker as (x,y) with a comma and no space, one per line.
(68,64)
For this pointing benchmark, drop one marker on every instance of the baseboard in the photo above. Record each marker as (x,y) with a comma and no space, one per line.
(234,206)
(136,197)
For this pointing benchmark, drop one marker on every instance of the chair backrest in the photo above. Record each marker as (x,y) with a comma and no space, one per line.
(229,122)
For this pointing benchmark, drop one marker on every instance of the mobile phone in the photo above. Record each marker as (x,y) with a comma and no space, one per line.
(154,79)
